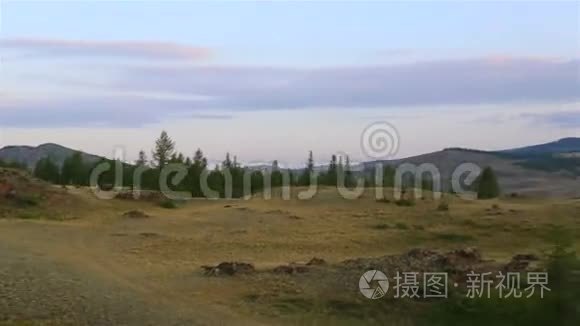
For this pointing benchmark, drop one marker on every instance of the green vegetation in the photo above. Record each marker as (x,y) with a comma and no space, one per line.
(405,202)
(12,165)
(443,206)
(487,186)
(453,237)
(558,307)
(170,204)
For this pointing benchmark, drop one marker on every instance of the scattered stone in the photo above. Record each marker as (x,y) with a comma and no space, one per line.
(520,263)
(530,257)
(120,234)
(149,234)
(316,262)
(135,214)
(229,268)
(290,269)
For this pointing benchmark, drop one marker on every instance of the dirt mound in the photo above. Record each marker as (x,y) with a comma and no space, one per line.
(18,187)
(229,268)
(520,263)
(456,262)
(136,214)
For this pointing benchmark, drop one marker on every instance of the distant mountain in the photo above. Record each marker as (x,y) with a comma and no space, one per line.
(551,169)
(29,155)
(564,145)
(542,176)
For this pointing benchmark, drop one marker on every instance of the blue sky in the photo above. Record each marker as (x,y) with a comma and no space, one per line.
(209,72)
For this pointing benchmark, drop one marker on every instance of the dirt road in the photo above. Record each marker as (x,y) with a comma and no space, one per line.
(58,274)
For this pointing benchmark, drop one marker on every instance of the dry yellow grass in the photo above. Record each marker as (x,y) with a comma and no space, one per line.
(159,258)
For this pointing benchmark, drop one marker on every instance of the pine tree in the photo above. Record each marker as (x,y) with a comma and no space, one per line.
(305,177)
(73,170)
(487,186)
(227,163)
(276,176)
(348,180)
(164,149)
(331,174)
(142,160)
(47,170)
(197,167)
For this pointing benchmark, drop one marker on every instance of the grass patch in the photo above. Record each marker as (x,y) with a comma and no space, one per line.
(381,226)
(454,237)
(169,204)
(405,202)
(443,207)
(29,215)
(401,226)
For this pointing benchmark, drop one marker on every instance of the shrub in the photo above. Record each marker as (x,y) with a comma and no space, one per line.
(487,186)
(405,202)
(25,201)
(401,226)
(443,207)
(170,204)
(381,226)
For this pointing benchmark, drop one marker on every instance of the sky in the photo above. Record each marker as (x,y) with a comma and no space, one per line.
(273,80)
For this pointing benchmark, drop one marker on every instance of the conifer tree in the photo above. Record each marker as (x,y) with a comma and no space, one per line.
(164,150)
(142,160)
(305,177)
(487,186)
(197,167)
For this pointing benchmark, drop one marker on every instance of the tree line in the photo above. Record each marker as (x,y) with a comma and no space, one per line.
(76,171)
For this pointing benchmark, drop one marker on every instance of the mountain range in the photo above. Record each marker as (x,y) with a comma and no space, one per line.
(550,169)
(29,155)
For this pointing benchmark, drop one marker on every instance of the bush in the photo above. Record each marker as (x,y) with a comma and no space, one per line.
(558,307)
(487,186)
(443,207)
(25,201)
(170,204)
(405,202)
(401,226)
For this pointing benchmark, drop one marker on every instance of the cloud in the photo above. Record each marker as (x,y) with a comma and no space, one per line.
(31,47)
(454,82)
(103,111)
(561,119)
(136,95)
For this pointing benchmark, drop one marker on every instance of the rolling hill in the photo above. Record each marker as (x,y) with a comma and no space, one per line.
(541,170)
(29,155)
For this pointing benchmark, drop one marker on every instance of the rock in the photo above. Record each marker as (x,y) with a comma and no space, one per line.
(7,189)
(135,214)
(229,268)
(290,269)
(316,261)
(283,269)
(469,254)
(529,257)
(520,263)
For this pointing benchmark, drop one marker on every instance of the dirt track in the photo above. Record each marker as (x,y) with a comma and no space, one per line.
(66,281)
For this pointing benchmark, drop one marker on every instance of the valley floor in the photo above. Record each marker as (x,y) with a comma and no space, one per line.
(102,267)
